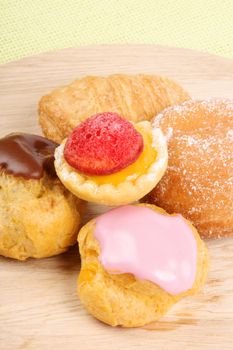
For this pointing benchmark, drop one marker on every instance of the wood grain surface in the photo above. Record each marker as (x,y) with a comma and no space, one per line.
(39,308)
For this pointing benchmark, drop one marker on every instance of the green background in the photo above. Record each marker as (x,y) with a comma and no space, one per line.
(32,26)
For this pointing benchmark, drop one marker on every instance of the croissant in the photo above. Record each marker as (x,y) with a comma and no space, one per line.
(134,97)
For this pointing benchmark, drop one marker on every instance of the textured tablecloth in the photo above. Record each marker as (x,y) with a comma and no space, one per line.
(32,26)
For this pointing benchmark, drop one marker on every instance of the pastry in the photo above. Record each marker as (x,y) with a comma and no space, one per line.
(136,262)
(198,182)
(109,160)
(135,97)
(38,216)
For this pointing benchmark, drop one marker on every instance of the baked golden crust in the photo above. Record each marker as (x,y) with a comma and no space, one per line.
(38,218)
(122,299)
(198,182)
(131,189)
(134,97)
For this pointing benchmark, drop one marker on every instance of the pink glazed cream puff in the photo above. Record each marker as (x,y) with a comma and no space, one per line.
(137,261)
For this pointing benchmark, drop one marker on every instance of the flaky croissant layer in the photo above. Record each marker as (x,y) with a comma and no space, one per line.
(134,97)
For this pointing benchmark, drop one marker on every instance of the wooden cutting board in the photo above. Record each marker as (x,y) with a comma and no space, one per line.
(39,308)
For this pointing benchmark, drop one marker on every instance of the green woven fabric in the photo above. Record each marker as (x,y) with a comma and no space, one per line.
(32,26)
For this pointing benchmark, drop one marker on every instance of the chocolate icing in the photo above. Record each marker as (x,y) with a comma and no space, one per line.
(27,155)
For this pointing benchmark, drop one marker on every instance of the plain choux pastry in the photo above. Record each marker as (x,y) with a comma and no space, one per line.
(198,182)
(135,97)
(136,262)
(109,160)
(38,216)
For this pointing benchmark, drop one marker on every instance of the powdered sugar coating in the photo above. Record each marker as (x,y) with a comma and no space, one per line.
(198,182)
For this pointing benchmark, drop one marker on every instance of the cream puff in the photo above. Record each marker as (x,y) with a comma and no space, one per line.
(39,217)
(136,262)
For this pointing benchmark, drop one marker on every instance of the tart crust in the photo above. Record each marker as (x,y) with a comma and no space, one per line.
(132,189)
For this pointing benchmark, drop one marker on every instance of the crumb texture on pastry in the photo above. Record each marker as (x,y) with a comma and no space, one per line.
(198,182)
(121,299)
(38,218)
(135,97)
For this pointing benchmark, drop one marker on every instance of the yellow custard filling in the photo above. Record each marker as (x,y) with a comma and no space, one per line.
(133,171)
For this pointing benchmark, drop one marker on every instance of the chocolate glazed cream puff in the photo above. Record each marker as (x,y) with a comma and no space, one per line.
(136,262)
(109,160)
(38,216)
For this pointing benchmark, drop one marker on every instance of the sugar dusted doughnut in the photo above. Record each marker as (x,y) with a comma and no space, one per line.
(109,160)
(135,97)
(198,182)
(136,262)
(38,216)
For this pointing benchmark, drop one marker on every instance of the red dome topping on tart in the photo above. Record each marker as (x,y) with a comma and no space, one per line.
(103,144)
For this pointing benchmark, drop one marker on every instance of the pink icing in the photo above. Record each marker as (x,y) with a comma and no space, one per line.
(151,246)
